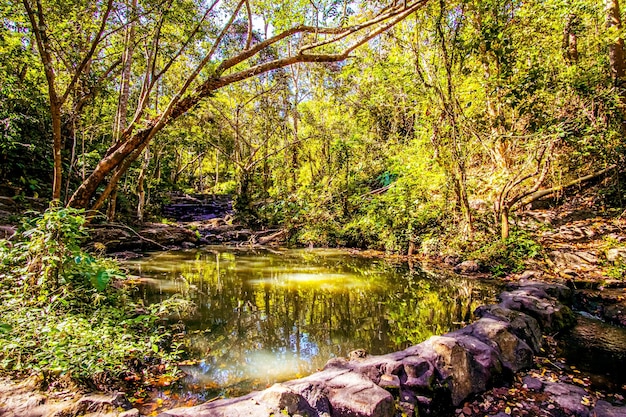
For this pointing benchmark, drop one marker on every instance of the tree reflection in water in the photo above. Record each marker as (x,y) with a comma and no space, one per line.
(270,316)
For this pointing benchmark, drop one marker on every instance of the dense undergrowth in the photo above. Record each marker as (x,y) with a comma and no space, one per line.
(66,315)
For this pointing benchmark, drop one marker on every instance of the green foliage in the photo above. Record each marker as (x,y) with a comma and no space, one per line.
(384,150)
(617,269)
(104,341)
(24,150)
(61,315)
(508,255)
(49,255)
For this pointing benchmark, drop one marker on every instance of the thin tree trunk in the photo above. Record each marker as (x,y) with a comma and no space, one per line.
(141,192)
(504,222)
(570,40)
(217,168)
(120,122)
(57,143)
(200,177)
(616,48)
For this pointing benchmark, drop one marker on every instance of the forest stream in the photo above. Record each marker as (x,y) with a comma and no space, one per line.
(268,316)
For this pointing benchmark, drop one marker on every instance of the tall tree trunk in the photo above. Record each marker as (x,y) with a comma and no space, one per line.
(120,122)
(616,48)
(200,176)
(504,222)
(57,98)
(570,40)
(217,168)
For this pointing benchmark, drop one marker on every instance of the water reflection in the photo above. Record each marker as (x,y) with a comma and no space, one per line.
(270,316)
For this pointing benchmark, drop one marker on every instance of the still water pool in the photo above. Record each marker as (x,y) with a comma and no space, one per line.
(267,316)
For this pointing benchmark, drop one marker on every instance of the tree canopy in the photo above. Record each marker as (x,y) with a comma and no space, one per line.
(353,122)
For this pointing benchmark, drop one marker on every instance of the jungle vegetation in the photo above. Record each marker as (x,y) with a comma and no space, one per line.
(404,126)
(372,124)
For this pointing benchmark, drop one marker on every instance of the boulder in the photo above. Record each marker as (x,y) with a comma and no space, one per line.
(381,370)
(343,393)
(275,400)
(522,325)
(561,292)
(457,369)
(514,353)
(550,314)
(487,357)
(531,383)
(408,403)
(419,374)
(100,404)
(529,274)
(452,260)
(114,239)
(166,234)
(615,313)
(616,255)
(576,261)
(231,407)
(588,257)
(24,400)
(352,395)
(467,267)
(282,398)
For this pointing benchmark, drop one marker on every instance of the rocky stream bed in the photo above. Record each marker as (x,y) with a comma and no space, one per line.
(508,362)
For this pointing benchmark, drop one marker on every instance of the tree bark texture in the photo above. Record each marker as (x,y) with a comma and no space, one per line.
(616,47)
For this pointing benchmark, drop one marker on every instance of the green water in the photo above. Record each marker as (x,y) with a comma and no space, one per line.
(264,316)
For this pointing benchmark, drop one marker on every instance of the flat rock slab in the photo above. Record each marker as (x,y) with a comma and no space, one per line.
(569,398)
(333,392)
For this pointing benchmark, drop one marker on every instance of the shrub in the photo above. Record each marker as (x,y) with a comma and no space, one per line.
(508,255)
(60,315)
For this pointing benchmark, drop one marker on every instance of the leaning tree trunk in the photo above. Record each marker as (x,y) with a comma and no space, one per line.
(121,154)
